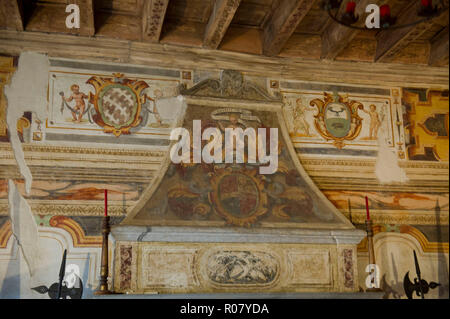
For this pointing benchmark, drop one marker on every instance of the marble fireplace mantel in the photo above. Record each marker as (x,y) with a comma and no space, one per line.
(236,235)
(258,296)
(200,262)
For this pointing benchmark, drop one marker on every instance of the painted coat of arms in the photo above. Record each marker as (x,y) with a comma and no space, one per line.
(238,196)
(232,194)
(118,102)
(337,118)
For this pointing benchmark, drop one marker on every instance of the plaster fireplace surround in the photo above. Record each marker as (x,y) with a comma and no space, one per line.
(218,229)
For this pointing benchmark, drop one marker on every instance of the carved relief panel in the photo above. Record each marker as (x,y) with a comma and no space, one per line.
(234,267)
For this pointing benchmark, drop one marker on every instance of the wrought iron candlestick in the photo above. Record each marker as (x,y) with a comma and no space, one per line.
(425,12)
(104,268)
(370,249)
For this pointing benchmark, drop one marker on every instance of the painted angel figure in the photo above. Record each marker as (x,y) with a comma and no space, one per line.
(80,106)
(300,122)
(375,121)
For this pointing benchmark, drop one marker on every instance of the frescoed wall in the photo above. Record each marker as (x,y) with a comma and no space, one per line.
(107,126)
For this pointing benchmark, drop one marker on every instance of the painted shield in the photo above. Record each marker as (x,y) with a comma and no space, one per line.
(117,102)
(118,105)
(238,195)
(337,119)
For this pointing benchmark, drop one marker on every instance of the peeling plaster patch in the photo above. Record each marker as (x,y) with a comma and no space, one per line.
(24,227)
(387,169)
(27,92)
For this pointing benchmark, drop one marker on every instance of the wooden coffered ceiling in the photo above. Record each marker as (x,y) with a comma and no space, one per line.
(285,28)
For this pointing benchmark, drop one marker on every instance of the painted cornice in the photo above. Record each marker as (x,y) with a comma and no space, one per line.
(188,58)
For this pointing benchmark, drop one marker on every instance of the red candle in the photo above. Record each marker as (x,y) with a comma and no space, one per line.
(106,202)
(367,208)
(426,3)
(385,10)
(351,5)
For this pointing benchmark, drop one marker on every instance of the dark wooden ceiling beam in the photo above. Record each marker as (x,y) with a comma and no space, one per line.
(391,42)
(100,49)
(153,19)
(11,16)
(87,23)
(285,19)
(51,17)
(219,21)
(336,37)
(439,49)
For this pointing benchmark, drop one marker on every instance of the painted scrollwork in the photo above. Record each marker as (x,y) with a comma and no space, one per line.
(230,85)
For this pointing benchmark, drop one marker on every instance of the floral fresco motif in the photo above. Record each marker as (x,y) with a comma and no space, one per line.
(126,256)
(348,267)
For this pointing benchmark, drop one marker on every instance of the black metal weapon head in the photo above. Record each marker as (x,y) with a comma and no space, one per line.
(62,269)
(416,263)
(73,293)
(62,272)
(57,290)
(421,288)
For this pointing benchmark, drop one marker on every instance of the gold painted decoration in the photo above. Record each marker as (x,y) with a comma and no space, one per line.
(337,118)
(118,102)
(6,71)
(238,196)
(22,123)
(426,124)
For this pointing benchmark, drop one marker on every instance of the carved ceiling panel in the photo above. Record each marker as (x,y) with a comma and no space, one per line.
(253,13)
(190,10)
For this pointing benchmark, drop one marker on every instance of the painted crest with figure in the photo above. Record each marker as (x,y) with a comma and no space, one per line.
(338,118)
(118,103)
